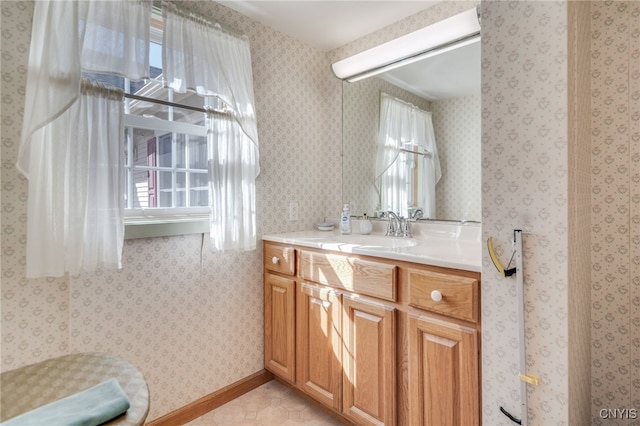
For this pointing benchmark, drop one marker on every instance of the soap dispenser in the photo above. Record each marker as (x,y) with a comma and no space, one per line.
(365,225)
(345,220)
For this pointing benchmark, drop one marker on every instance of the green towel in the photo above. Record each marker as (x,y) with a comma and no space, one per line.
(89,407)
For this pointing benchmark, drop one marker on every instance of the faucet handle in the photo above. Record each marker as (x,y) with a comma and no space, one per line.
(406,228)
(391,229)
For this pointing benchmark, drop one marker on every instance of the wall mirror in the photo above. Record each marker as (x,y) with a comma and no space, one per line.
(444,83)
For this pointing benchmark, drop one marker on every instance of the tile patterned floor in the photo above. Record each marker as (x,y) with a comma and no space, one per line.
(268,405)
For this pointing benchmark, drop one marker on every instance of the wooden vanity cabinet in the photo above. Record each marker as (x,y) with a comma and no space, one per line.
(279,311)
(319,343)
(443,373)
(444,379)
(369,339)
(369,359)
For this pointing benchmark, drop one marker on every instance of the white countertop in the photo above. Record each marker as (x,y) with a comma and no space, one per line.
(447,245)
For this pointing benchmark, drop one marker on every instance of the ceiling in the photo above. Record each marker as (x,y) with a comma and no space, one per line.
(330,24)
(327,24)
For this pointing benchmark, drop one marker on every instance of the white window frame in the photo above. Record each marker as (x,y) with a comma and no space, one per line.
(158,222)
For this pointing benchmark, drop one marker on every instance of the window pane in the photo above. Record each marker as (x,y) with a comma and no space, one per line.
(164,200)
(155,59)
(143,191)
(181,187)
(199,189)
(164,151)
(165,189)
(197,152)
(144,148)
(180,153)
(164,182)
(198,181)
(181,181)
(199,198)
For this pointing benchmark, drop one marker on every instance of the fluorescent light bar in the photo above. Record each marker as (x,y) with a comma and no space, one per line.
(416,58)
(407,47)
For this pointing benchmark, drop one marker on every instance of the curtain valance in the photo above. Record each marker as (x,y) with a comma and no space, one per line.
(72,142)
(208,60)
(205,58)
(69,37)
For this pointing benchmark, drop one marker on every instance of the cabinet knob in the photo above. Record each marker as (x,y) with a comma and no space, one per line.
(275,260)
(436,296)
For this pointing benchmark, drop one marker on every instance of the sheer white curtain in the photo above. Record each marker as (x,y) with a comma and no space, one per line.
(402,126)
(75,204)
(204,58)
(231,190)
(69,37)
(72,137)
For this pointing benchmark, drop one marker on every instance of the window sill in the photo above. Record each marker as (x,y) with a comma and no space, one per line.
(165,227)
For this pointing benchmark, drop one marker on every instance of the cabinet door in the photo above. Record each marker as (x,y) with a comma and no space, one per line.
(369,367)
(318,340)
(279,326)
(443,373)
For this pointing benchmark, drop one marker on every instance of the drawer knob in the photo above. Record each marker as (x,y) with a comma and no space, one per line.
(436,296)
(275,260)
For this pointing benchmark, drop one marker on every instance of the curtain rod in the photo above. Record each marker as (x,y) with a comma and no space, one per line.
(402,101)
(177,105)
(425,153)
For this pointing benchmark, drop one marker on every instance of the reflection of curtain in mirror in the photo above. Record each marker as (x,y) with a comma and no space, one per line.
(404,179)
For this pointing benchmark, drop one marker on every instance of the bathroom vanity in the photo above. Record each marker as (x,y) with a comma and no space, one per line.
(381,330)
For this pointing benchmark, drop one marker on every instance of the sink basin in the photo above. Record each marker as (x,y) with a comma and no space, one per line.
(377,241)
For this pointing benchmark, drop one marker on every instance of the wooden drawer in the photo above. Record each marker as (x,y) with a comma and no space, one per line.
(353,274)
(280,259)
(459,293)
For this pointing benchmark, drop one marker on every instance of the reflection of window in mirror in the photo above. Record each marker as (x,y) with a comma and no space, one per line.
(445,82)
(411,160)
(407,163)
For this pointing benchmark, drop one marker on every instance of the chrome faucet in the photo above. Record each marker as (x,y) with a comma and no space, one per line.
(416,213)
(393,227)
(406,228)
(397,226)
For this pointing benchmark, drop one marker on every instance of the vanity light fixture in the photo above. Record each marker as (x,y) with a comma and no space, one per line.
(456,31)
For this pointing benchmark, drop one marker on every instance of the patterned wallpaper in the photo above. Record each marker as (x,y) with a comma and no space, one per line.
(579,309)
(456,123)
(524,186)
(536,178)
(615,208)
(35,313)
(190,320)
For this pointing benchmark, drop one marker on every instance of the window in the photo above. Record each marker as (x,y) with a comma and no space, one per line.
(82,229)
(166,150)
(166,153)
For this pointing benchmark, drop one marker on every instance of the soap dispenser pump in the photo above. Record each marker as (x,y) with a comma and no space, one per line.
(345,220)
